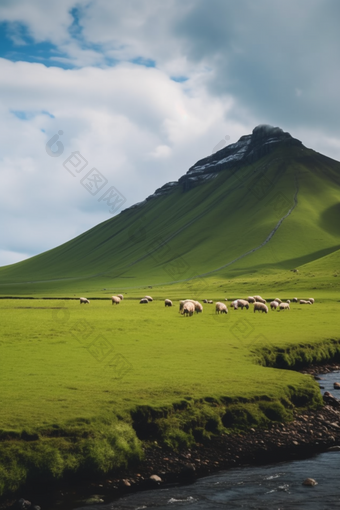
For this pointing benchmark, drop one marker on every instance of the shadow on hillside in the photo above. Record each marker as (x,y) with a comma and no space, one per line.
(289,263)
(330,220)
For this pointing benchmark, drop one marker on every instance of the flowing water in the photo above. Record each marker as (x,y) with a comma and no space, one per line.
(275,487)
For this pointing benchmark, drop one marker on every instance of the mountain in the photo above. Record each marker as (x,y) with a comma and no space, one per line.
(262,205)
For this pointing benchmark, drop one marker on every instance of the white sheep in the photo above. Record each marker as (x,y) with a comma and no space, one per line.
(242,303)
(234,304)
(168,302)
(305,302)
(259,299)
(198,307)
(120,296)
(311,300)
(251,299)
(188,308)
(284,306)
(274,304)
(149,298)
(260,307)
(278,300)
(84,300)
(115,300)
(295,300)
(181,303)
(143,301)
(221,308)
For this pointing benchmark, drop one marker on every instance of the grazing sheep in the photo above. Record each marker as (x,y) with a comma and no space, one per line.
(251,299)
(181,303)
(210,302)
(115,300)
(143,301)
(242,303)
(225,299)
(295,300)
(120,296)
(305,302)
(188,308)
(84,300)
(259,299)
(278,300)
(234,304)
(260,307)
(284,306)
(221,308)
(149,298)
(274,304)
(198,307)
(205,300)
(311,300)
(168,302)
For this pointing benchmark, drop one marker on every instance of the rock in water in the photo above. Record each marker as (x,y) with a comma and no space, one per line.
(310,482)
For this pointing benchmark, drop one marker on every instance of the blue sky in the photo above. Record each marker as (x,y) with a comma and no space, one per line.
(141,90)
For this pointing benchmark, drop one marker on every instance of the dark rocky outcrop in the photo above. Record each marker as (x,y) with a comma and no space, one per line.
(250,148)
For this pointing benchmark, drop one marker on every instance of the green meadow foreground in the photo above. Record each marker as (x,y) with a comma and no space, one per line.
(81,385)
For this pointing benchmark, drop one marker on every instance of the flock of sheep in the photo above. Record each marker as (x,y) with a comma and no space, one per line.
(189,306)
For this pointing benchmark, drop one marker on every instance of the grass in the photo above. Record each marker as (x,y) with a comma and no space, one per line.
(79,382)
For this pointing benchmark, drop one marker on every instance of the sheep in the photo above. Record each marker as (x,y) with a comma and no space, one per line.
(84,300)
(242,303)
(143,301)
(311,300)
(304,302)
(274,304)
(188,308)
(295,300)
(225,299)
(251,299)
(284,306)
(168,302)
(278,300)
(120,296)
(221,308)
(181,303)
(234,304)
(149,298)
(115,300)
(259,299)
(260,307)
(205,300)
(210,302)
(198,307)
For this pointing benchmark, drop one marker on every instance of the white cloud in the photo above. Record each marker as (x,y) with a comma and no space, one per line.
(116,118)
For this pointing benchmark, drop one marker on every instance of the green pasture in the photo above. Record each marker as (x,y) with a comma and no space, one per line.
(75,378)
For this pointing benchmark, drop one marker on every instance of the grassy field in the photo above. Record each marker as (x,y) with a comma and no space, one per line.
(78,381)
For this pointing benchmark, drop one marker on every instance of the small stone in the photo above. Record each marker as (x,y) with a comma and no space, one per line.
(334,449)
(156,478)
(309,482)
(126,482)
(336,386)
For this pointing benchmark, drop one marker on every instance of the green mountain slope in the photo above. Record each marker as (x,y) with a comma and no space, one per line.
(273,210)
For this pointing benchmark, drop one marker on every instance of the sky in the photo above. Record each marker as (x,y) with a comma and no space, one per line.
(104,101)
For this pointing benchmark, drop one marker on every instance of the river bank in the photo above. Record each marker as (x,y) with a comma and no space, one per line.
(310,433)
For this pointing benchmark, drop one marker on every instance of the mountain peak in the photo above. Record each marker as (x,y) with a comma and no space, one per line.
(248,149)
